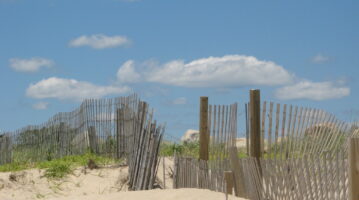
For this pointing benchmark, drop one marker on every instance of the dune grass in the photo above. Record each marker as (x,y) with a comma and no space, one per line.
(186,149)
(59,168)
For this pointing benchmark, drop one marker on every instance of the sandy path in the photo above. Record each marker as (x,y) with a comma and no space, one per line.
(169,162)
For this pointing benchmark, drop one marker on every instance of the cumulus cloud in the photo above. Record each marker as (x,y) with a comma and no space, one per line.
(226,71)
(179,101)
(40,105)
(319,58)
(30,65)
(126,73)
(71,89)
(99,41)
(312,90)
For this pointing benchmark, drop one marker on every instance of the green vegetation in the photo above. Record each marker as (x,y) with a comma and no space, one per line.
(36,144)
(192,150)
(15,166)
(186,149)
(40,196)
(169,149)
(242,153)
(77,160)
(59,168)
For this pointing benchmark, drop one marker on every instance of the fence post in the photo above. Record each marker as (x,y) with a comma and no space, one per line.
(228,177)
(203,129)
(354,168)
(255,126)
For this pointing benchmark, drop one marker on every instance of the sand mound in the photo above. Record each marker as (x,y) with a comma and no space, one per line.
(30,184)
(107,183)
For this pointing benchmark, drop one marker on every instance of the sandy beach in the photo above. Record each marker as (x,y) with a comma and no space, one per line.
(168,194)
(107,183)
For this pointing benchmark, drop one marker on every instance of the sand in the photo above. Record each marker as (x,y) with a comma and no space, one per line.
(107,183)
(168,194)
(167,175)
(30,184)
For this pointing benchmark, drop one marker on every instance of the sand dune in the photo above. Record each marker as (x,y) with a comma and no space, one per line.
(30,184)
(108,183)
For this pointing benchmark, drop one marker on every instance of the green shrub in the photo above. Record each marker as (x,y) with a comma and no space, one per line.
(58,169)
(15,166)
(185,149)
(167,149)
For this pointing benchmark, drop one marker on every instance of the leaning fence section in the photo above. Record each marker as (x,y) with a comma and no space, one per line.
(143,152)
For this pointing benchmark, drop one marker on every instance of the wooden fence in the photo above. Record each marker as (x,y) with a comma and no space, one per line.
(119,128)
(194,173)
(303,155)
(309,178)
(95,126)
(144,149)
(222,129)
(288,131)
(222,123)
(303,151)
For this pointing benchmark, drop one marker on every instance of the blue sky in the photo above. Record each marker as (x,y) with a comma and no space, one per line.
(54,53)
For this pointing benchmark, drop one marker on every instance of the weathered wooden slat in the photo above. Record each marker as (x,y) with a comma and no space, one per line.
(263,118)
(237,170)
(270,124)
(354,168)
(276,149)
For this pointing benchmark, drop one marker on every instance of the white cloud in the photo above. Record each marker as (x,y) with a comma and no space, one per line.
(312,90)
(30,65)
(126,73)
(40,105)
(226,71)
(70,89)
(99,41)
(319,58)
(179,101)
